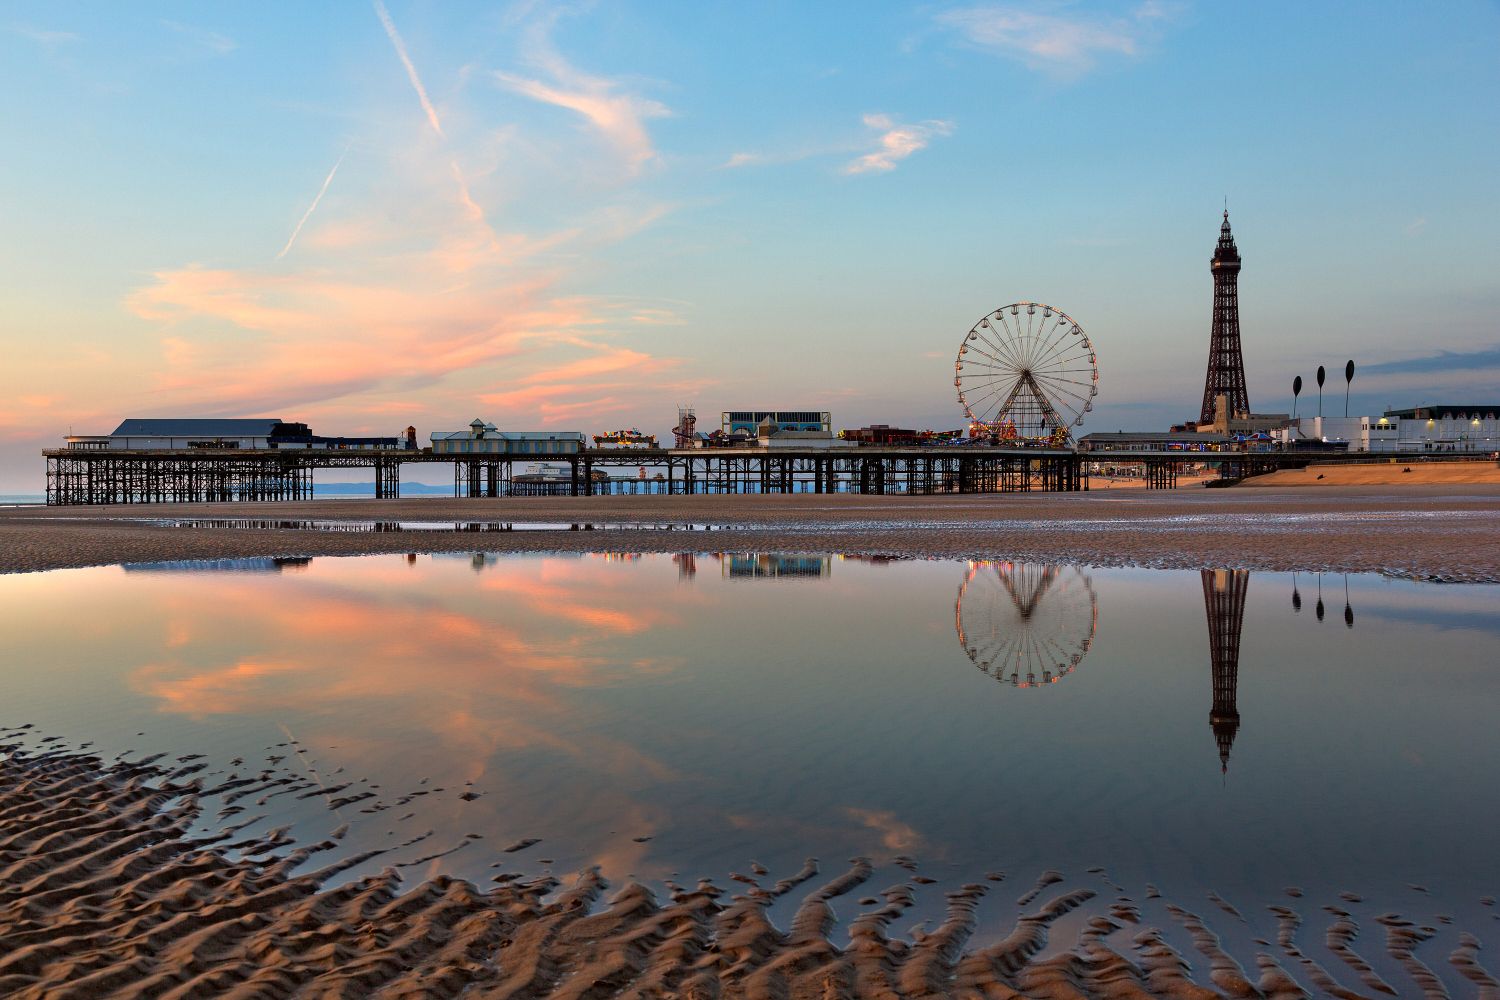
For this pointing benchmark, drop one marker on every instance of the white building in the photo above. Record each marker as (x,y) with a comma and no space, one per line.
(1435,429)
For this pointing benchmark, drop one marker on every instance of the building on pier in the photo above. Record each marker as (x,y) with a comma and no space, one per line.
(225,434)
(750,422)
(1188,441)
(484,439)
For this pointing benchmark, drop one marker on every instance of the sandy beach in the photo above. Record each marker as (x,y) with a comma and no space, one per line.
(1430,531)
(109,892)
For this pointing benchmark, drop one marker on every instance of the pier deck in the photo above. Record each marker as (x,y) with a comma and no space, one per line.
(113,476)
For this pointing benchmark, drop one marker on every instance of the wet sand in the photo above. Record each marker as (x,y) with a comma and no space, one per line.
(1442,532)
(108,890)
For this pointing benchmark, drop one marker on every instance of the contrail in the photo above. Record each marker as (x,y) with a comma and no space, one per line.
(310,208)
(411,71)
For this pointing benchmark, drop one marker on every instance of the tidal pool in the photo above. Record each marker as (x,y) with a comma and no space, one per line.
(671,717)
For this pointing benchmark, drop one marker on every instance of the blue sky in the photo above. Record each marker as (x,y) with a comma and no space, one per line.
(578,216)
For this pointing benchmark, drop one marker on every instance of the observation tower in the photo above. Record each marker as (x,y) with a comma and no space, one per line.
(1226,365)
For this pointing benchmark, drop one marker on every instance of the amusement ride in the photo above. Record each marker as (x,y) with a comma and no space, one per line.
(1026,374)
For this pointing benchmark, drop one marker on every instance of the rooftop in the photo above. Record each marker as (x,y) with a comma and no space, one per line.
(196,426)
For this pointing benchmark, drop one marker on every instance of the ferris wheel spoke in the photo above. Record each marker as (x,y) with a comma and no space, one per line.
(1013,337)
(997,353)
(1008,370)
(983,381)
(1065,356)
(981,402)
(1062,383)
(1005,342)
(1054,340)
(1071,404)
(1061,372)
(1044,342)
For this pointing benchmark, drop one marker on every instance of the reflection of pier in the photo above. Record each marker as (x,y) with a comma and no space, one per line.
(244,564)
(1224,602)
(1024,623)
(761,565)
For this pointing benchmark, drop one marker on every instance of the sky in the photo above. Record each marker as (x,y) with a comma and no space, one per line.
(578,216)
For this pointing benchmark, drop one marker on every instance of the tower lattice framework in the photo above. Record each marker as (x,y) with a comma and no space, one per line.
(1226,363)
(1224,602)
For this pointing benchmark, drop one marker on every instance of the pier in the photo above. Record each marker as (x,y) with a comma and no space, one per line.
(117,476)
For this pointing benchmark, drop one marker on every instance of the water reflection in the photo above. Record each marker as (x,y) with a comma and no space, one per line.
(249,564)
(1320,612)
(636,713)
(1026,624)
(763,565)
(1224,593)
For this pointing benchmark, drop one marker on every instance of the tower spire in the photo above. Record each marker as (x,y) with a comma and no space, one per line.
(1226,363)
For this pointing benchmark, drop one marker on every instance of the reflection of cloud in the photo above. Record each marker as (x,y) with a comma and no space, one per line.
(477,682)
(218,692)
(897,142)
(404,668)
(894,834)
(1054,39)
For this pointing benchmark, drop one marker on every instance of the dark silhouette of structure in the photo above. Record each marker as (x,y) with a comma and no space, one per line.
(1224,601)
(1226,364)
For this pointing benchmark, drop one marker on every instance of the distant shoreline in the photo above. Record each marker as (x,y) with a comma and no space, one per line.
(1441,532)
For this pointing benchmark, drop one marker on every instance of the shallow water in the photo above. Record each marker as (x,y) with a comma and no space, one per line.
(687,715)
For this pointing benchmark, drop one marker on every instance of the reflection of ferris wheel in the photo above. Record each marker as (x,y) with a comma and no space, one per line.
(1026,371)
(1023,623)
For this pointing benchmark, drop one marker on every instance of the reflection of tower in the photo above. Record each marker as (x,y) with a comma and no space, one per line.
(1226,364)
(1224,601)
(687,565)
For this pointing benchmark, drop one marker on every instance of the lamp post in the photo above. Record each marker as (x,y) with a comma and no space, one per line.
(1348,380)
(1322,374)
(1296,391)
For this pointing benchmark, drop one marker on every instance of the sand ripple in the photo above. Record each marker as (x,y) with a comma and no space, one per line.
(106,891)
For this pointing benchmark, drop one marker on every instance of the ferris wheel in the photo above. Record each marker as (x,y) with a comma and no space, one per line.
(1025,624)
(1026,371)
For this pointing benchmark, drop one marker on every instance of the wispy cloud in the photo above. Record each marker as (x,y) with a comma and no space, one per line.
(313,207)
(1442,361)
(202,38)
(618,115)
(44,37)
(742,160)
(1052,37)
(896,143)
(411,69)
